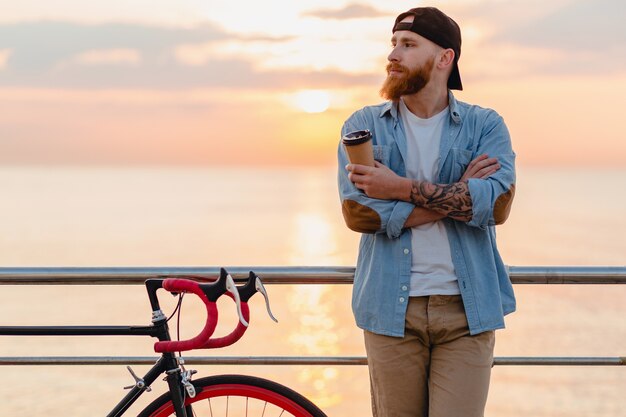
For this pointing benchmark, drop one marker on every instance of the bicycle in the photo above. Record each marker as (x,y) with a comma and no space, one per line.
(212,396)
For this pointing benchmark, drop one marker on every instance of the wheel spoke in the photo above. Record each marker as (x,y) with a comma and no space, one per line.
(251,397)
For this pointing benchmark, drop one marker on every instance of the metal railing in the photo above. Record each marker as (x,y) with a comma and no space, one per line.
(287,275)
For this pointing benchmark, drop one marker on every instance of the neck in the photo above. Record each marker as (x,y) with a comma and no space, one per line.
(427,102)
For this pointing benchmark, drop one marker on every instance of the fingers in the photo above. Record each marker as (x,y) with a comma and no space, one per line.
(359,181)
(356,172)
(362,176)
(354,178)
(487,172)
(357,169)
(476,160)
(481,167)
(364,169)
(482,163)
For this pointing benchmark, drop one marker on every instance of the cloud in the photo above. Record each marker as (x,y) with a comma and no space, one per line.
(38,46)
(70,55)
(351,11)
(4,57)
(120,56)
(588,25)
(581,37)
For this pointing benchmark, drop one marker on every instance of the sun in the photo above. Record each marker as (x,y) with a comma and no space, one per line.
(312,101)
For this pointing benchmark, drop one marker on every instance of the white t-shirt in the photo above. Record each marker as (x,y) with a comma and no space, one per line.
(432,271)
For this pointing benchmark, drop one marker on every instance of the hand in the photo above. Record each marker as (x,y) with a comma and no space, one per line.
(378,181)
(481,167)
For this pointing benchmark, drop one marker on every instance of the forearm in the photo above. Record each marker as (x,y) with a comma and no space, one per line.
(450,200)
(364,214)
(420,216)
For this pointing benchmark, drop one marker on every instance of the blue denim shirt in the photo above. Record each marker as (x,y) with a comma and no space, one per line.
(381,285)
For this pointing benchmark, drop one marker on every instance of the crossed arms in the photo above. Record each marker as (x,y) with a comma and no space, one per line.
(432,201)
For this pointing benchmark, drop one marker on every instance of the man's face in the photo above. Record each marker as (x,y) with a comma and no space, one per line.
(410,64)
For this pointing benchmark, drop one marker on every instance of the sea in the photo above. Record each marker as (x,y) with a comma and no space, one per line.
(72,216)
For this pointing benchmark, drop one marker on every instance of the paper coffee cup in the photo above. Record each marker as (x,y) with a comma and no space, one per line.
(358,146)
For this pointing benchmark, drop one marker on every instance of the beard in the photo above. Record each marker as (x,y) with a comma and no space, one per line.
(409,82)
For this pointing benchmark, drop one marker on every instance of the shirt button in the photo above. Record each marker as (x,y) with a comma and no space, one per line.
(402,299)
(404,288)
(406,251)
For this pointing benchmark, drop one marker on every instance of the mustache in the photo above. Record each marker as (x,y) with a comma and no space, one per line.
(396,67)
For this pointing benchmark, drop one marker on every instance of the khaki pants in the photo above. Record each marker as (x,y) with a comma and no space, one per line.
(437,369)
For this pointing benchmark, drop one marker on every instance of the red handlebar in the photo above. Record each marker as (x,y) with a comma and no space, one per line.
(183,285)
(236,334)
(203,339)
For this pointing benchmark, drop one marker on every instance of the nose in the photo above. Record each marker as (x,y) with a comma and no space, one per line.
(393,55)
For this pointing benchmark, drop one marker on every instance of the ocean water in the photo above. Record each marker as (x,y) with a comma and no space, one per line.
(113,216)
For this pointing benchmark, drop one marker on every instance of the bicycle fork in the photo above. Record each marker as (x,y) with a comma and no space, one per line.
(180,386)
(178,381)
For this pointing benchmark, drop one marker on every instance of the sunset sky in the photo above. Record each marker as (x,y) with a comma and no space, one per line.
(210,82)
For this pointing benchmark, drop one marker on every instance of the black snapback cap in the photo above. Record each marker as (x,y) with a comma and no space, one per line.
(438,28)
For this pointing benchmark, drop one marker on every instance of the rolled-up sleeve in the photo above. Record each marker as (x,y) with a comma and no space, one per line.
(362,213)
(492,197)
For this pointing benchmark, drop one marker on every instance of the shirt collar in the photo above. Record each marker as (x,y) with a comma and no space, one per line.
(455,114)
(391,108)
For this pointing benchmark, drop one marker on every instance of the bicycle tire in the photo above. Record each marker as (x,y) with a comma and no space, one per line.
(232,394)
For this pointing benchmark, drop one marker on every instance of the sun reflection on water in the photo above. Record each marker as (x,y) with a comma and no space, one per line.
(317,332)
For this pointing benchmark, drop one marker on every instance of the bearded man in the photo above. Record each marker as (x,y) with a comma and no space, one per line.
(430,287)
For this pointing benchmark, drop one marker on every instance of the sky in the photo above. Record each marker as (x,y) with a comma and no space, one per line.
(215,82)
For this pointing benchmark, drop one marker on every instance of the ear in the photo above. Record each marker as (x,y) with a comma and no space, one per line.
(446,59)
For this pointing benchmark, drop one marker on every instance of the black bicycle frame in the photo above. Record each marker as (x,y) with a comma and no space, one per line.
(167,364)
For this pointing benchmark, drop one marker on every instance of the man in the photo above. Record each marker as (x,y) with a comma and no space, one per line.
(430,287)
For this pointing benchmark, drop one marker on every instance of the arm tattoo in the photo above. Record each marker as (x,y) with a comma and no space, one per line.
(453,200)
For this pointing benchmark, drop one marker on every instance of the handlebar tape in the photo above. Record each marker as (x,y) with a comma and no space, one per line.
(183,285)
(235,335)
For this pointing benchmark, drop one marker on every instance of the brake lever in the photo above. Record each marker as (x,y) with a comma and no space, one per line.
(260,288)
(232,288)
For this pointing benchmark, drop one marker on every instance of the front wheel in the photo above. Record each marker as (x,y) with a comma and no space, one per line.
(238,396)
